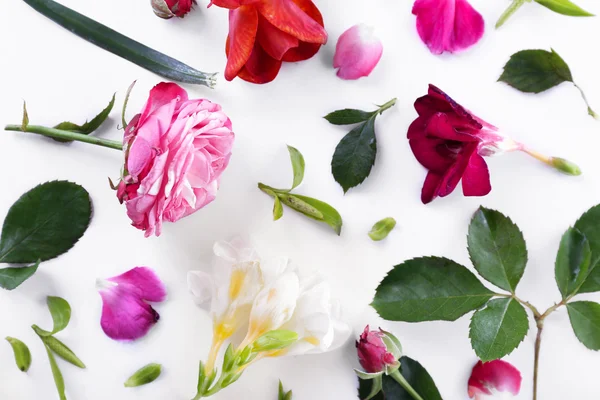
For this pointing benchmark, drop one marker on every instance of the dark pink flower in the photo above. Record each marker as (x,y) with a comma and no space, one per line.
(491,377)
(126,315)
(172,8)
(448,25)
(373,353)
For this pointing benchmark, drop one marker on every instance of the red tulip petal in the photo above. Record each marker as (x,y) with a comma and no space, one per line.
(261,67)
(448,25)
(275,42)
(444,126)
(492,376)
(243,24)
(287,16)
(476,179)
(430,187)
(305,50)
(426,152)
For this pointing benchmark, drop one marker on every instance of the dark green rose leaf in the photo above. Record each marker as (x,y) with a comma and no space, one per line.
(565,7)
(11,278)
(534,71)
(414,373)
(355,155)
(297,165)
(497,248)
(585,320)
(365,386)
(572,262)
(87,127)
(498,329)
(348,116)
(429,289)
(589,225)
(45,222)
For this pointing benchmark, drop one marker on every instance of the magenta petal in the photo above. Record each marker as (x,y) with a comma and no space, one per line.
(492,376)
(357,52)
(430,187)
(476,179)
(125,313)
(448,25)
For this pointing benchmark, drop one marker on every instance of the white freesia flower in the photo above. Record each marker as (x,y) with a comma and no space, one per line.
(248,297)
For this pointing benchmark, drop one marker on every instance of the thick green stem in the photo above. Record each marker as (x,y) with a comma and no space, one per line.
(66,135)
(404,383)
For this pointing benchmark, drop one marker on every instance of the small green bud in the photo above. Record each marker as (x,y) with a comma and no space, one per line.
(275,340)
(382,228)
(565,166)
(143,376)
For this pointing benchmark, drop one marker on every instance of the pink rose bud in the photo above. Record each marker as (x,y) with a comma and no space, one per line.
(378,350)
(172,8)
(357,52)
(175,152)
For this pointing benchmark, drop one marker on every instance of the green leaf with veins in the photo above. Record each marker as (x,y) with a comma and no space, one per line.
(61,315)
(585,320)
(589,225)
(348,116)
(565,7)
(11,278)
(572,262)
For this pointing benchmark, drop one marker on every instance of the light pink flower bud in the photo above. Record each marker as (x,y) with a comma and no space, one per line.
(357,52)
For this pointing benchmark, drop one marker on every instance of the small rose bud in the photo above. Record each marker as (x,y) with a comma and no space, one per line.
(171,8)
(357,52)
(378,351)
(565,166)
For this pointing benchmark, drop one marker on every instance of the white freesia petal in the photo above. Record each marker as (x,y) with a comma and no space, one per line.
(202,288)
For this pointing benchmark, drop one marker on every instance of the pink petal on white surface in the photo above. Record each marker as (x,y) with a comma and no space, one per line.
(357,52)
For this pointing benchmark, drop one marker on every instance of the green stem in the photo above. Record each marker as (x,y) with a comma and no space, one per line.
(66,135)
(514,6)
(536,357)
(386,106)
(404,383)
(590,111)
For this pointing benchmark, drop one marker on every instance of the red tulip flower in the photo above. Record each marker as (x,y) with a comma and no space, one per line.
(265,33)
(451,142)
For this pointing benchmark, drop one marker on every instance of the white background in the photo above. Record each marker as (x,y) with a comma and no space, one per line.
(64,77)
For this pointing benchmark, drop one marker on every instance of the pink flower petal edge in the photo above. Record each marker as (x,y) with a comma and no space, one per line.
(357,52)
(494,376)
(126,315)
(448,25)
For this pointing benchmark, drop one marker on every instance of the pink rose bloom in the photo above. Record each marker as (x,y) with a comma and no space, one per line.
(357,52)
(490,378)
(448,25)
(175,152)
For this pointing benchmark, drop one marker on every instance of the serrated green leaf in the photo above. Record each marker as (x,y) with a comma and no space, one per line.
(297,165)
(25,121)
(57,375)
(45,222)
(144,375)
(497,248)
(382,229)
(348,116)
(87,127)
(61,315)
(565,7)
(585,320)
(498,329)
(429,289)
(21,353)
(329,215)
(355,155)
(11,278)
(121,45)
(589,225)
(572,262)
(534,71)
(277,209)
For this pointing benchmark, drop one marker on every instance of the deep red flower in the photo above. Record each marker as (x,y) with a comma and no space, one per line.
(265,33)
(373,353)
(449,141)
(491,377)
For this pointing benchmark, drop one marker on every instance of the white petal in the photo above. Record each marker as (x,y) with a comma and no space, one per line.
(275,304)
(202,287)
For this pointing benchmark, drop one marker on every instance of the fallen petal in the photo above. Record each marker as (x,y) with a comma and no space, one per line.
(494,376)
(357,52)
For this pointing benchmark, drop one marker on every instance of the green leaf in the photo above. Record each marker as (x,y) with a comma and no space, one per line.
(498,329)
(298,166)
(87,127)
(144,375)
(429,289)
(589,225)
(61,315)
(348,116)
(58,378)
(11,278)
(120,45)
(565,7)
(329,215)
(414,373)
(534,71)
(370,389)
(61,349)
(45,222)
(382,229)
(283,395)
(355,155)
(25,121)
(585,320)
(497,248)
(277,209)
(572,262)
(21,352)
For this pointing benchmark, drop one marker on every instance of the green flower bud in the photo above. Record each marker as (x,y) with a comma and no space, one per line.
(275,340)
(565,166)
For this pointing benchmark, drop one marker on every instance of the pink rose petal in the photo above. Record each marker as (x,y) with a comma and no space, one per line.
(357,52)
(494,376)
(126,315)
